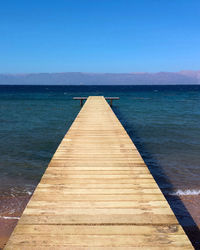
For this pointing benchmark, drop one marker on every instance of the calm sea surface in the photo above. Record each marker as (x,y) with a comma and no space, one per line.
(163,122)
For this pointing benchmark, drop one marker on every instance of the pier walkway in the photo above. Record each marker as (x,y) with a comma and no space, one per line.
(97,193)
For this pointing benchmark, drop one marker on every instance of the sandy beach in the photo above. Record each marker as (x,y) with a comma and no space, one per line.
(11,209)
(192,204)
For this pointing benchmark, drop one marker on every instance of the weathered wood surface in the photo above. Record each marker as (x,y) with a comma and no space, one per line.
(97,193)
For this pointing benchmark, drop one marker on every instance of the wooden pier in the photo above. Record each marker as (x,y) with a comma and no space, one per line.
(97,193)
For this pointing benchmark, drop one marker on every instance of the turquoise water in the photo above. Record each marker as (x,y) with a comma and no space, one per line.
(163,122)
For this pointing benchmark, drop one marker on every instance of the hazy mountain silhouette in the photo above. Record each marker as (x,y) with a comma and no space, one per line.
(78,78)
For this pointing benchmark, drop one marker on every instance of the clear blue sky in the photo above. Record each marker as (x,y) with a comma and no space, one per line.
(99,35)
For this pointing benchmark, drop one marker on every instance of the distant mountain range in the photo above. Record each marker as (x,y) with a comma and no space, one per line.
(78,78)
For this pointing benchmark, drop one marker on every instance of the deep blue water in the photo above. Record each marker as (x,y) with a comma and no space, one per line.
(163,122)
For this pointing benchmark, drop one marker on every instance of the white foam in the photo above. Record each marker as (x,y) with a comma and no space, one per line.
(9,218)
(29,193)
(186,192)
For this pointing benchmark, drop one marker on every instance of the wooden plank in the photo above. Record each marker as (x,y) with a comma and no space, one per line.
(98,218)
(101,185)
(29,246)
(102,240)
(99,197)
(98,230)
(97,193)
(98,204)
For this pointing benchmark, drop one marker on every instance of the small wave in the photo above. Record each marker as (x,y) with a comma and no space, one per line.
(9,218)
(185,192)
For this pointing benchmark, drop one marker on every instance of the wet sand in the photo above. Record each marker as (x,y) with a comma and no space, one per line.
(11,209)
(192,204)
(6,228)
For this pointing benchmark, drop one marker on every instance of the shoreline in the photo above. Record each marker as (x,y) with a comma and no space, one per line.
(192,204)
(11,210)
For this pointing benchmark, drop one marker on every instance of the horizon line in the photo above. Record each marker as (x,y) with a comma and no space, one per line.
(87,72)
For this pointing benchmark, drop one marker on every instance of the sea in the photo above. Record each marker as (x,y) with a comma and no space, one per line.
(162,121)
